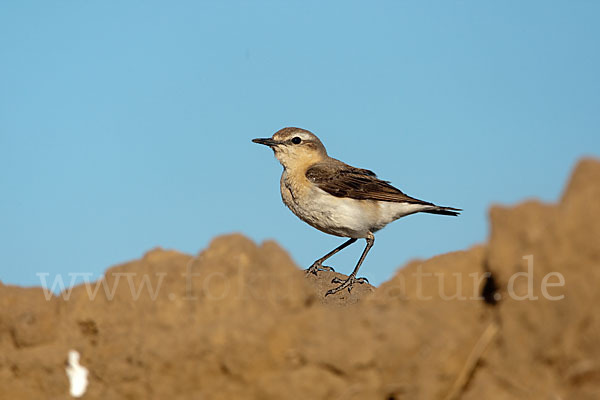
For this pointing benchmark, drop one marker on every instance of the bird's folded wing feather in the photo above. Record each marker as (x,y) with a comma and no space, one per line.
(342,180)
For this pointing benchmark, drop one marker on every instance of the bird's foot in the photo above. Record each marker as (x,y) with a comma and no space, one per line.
(347,284)
(317,267)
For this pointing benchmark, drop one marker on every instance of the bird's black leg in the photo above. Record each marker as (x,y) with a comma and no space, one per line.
(352,279)
(318,265)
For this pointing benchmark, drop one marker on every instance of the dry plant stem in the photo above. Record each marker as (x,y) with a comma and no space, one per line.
(467,371)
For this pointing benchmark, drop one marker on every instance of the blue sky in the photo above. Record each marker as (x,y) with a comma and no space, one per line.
(127,125)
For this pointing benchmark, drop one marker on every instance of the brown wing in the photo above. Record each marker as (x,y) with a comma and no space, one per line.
(342,180)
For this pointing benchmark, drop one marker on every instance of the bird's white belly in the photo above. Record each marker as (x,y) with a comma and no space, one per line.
(335,215)
(341,216)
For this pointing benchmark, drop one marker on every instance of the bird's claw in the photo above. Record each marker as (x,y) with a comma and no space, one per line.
(357,280)
(317,267)
(347,284)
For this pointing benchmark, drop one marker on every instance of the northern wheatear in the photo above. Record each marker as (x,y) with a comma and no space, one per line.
(337,198)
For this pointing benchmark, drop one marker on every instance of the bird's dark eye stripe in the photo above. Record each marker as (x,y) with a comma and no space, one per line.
(296,140)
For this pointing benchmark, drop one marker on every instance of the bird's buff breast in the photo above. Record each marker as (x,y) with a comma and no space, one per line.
(333,215)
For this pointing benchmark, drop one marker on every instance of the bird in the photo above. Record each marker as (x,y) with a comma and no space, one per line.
(337,198)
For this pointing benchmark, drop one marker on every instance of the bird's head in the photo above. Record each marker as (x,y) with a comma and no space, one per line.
(295,147)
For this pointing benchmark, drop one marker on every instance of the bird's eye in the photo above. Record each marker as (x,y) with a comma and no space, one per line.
(296,140)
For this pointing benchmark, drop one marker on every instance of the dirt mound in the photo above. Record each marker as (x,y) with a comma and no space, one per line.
(514,318)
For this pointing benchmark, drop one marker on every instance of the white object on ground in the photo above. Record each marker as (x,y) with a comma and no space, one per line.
(77,374)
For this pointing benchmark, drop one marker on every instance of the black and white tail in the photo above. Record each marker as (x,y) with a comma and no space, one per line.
(444,211)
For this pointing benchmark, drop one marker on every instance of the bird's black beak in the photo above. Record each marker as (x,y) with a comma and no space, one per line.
(267,142)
